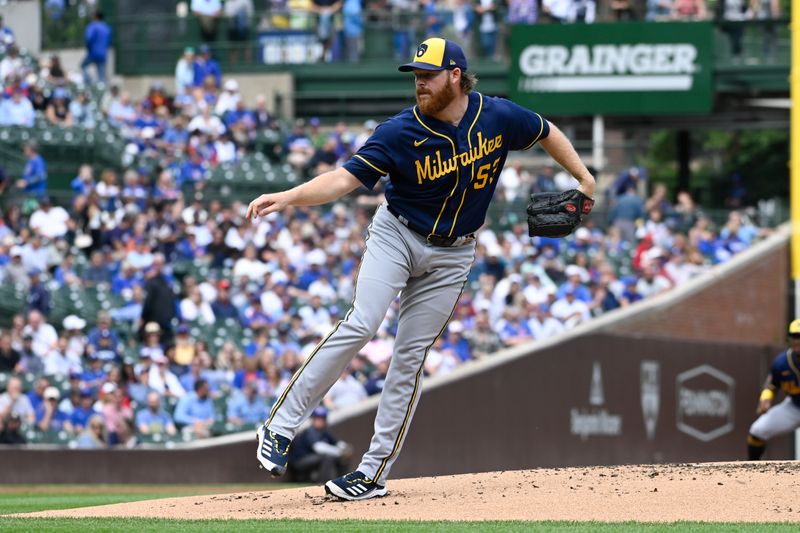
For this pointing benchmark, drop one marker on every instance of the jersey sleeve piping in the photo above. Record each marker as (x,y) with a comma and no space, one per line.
(541,130)
(383,172)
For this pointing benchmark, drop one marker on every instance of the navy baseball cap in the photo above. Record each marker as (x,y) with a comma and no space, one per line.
(436,54)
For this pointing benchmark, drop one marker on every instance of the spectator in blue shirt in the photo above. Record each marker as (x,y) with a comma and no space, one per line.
(83,412)
(195,411)
(284,341)
(98,41)
(16,110)
(247,407)
(223,307)
(34,177)
(455,341)
(94,376)
(36,394)
(38,295)
(126,278)
(205,65)
(574,283)
(83,183)
(631,293)
(103,341)
(628,209)
(94,436)
(6,34)
(193,170)
(48,416)
(153,419)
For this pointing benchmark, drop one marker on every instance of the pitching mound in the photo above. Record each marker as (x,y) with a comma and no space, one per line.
(716,492)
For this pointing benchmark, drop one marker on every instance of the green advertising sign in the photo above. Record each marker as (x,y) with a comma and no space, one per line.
(620,68)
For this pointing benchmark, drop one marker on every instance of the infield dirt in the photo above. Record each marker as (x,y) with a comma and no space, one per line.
(714,492)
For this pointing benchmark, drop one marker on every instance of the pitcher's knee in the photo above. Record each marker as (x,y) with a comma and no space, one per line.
(362,327)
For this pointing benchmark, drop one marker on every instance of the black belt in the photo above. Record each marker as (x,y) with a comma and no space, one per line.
(430,238)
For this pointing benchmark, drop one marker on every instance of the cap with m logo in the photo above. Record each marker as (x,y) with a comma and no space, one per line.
(436,54)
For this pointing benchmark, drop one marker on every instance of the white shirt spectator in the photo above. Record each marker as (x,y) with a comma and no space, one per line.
(439,363)
(511,181)
(536,294)
(210,125)
(121,113)
(209,8)
(654,286)
(272,304)
(315,318)
(16,113)
(44,338)
(559,9)
(184,75)
(60,364)
(565,181)
(10,66)
(34,257)
(202,235)
(190,311)
(228,99)
(235,239)
(226,150)
(76,346)
(680,271)
(545,328)
(488,23)
(21,406)
(323,289)
(570,313)
(252,268)
(346,391)
(139,260)
(161,384)
(208,291)
(51,223)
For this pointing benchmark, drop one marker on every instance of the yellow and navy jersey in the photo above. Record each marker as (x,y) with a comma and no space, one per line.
(442,177)
(785,375)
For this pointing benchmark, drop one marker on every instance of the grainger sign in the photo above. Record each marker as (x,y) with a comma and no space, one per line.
(622,68)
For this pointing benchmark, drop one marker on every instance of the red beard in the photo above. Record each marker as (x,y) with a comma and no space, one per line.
(436,102)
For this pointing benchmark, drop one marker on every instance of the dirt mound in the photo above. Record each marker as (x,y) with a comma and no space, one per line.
(717,492)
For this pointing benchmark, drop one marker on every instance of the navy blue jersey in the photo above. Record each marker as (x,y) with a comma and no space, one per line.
(442,177)
(785,375)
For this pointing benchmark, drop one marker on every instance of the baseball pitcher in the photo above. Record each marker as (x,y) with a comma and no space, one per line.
(443,157)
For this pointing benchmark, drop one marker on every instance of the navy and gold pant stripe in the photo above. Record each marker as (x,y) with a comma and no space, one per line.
(319,346)
(415,392)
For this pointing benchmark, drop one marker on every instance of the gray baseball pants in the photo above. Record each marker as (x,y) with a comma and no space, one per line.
(430,280)
(779,420)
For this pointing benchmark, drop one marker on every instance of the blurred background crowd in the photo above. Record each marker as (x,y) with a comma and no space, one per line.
(142,307)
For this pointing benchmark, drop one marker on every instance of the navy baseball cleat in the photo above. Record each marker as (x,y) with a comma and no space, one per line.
(273,450)
(354,486)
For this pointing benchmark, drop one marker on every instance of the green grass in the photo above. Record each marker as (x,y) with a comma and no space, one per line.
(145,525)
(31,498)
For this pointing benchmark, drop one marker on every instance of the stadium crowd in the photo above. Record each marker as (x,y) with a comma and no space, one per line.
(206,316)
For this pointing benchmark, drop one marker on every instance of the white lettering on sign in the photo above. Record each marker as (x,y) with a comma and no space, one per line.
(596,422)
(704,403)
(605,67)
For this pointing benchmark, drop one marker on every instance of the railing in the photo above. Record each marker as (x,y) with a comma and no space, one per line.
(152,43)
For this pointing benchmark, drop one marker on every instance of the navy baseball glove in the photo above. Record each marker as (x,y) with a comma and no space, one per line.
(552,214)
